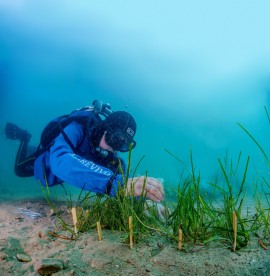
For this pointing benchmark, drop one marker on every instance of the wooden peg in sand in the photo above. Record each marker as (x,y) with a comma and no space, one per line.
(74,218)
(234,220)
(130,226)
(99,231)
(180,238)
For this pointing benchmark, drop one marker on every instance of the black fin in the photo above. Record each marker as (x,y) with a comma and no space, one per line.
(15,133)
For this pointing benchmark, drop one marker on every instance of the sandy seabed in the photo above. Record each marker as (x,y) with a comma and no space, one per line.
(26,245)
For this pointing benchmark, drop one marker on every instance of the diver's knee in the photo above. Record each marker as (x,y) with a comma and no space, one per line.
(24,171)
(19,172)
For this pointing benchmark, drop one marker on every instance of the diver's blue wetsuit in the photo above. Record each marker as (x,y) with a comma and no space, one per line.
(84,169)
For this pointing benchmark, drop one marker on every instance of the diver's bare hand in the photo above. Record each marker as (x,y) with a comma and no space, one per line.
(151,187)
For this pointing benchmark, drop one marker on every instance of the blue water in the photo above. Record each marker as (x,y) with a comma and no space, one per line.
(186,80)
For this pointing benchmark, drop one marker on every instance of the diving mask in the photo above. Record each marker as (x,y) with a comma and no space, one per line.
(118,140)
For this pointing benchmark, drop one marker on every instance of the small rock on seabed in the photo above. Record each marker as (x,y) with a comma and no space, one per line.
(23,258)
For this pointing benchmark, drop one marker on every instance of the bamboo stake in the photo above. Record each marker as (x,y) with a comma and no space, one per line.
(130,232)
(99,231)
(74,218)
(180,238)
(234,230)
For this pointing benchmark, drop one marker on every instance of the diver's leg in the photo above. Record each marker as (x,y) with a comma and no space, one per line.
(24,163)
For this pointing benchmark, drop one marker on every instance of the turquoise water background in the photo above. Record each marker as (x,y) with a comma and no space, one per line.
(188,72)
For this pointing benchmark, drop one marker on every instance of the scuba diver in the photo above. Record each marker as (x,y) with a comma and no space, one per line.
(82,149)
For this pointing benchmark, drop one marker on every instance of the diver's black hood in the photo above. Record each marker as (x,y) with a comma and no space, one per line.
(115,122)
(97,134)
(121,120)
